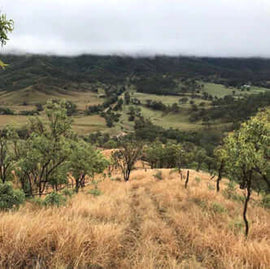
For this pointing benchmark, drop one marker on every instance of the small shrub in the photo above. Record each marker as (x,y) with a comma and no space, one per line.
(116,179)
(218,208)
(37,201)
(236,225)
(230,192)
(111,144)
(266,201)
(158,175)
(67,192)
(29,112)
(54,199)
(202,204)
(193,165)
(198,180)
(95,182)
(95,192)
(10,198)
(6,111)
(211,187)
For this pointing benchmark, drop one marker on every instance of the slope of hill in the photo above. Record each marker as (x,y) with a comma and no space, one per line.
(50,72)
(145,223)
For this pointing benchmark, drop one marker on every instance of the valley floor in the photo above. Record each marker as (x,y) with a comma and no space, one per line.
(144,223)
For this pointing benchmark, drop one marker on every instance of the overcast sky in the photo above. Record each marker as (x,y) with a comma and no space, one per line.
(140,27)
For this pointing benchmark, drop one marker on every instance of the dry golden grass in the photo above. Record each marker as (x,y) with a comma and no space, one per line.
(144,223)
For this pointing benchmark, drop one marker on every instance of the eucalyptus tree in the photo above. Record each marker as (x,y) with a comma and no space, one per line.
(154,154)
(247,154)
(7,156)
(43,156)
(85,161)
(6,27)
(126,156)
(200,157)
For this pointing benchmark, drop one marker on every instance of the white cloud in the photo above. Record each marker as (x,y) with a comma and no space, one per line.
(193,27)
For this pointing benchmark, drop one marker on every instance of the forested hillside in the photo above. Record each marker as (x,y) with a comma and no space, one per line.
(51,71)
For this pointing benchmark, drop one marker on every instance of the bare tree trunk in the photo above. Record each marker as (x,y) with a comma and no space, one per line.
(77,180)
(220,170)
(181,175)
(127,174)
(82,181)
(39,188)
(180,172)
(246,205)
(187,178)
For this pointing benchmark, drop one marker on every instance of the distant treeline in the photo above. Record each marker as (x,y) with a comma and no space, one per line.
(230,110)
(48,72)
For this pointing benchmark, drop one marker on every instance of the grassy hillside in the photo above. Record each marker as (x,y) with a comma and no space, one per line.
(145,223)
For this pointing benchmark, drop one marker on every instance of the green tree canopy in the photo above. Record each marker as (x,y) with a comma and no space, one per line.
(85,160)
(6,26)
(247,155)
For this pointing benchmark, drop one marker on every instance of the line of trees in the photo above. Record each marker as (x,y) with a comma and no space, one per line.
(49,154)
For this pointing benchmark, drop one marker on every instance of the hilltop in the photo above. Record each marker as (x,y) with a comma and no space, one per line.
(144,223)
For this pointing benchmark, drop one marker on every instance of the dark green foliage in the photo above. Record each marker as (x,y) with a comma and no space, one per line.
(157,85)
(110,144)
(50,151)
(266,201)
(155,75)
(158,175)
(98,138)
(10,198)
(156,105)
(236,226)
(229,109)
(218,208)
(37,201)
(230,192)
(29,112)
(111,118)
(54,199)
(85,160)
(94,109)
(6,27)
(42,158)
(127,98)
(71,108)
(95,192)
(7,156)
(6,111)
(169,155)
(39,107)
(67,192)
(133,112)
